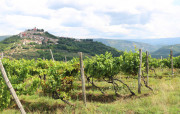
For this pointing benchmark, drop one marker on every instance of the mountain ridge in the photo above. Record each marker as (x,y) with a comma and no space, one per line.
(159,41)
(165,51)
(126,45)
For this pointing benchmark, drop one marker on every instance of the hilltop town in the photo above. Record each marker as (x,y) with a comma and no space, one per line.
(37,36)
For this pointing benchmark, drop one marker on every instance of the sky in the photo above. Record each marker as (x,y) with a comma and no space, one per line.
(116,19)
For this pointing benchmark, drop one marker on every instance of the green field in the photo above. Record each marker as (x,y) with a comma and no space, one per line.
(164,99)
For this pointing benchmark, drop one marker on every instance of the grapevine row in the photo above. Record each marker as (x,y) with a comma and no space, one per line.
(56,78)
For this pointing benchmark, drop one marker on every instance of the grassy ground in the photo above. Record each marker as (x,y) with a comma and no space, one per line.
(164,99)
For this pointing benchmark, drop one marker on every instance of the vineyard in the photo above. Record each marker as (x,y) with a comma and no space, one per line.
(108,79)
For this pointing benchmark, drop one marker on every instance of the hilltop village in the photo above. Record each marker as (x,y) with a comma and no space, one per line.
(37,36)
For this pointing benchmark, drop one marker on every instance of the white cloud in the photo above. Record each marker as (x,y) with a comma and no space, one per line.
(93,18)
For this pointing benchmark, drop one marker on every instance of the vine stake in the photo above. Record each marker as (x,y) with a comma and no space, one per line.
(52,55)
(147,67)
(139,73)
(171,55)
(83,79)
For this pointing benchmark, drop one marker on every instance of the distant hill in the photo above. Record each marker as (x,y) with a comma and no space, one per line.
(165,51)
(160,41)
(127,45)
(3,37)
(34,46)
(178,54)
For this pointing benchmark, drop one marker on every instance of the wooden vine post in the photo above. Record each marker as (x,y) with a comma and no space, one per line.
(82,78)
(2,55)
(8,83)
(161,63)
(147,67)
(65,59)
(139,73)
(171,55)
(52,55)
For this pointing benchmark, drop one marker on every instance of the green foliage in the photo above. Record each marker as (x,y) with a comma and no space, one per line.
(106,66)
(103,66)
(176,62)
(32,43)
(167,62)
(27,76)
(154,63)
(4,94)
(25,47)
(130,62)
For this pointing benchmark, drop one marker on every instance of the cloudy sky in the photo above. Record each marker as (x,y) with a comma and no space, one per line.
(120,19)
